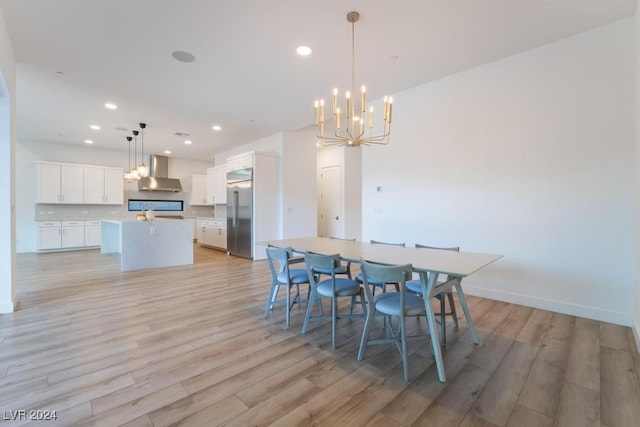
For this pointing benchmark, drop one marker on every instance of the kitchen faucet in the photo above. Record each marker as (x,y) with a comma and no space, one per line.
(149,213)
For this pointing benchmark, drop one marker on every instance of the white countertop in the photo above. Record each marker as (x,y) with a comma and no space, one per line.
(129,219)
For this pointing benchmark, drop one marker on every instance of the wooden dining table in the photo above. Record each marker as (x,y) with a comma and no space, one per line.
(428,263)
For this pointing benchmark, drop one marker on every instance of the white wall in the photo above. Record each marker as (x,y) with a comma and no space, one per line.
(7,172)
(349,159)
(299,207)
(532,157)
(28,153)
(271,144)
(297,153)
(636,308)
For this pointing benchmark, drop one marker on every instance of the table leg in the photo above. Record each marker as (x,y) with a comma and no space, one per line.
(467,315)
(428,283)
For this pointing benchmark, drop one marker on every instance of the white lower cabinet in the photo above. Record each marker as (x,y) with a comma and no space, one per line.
(49,235)
(92,233)
(212,233)
(219,238)
(72,234)
(62,235)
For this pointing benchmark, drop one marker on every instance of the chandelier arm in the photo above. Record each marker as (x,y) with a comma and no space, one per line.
(334,139)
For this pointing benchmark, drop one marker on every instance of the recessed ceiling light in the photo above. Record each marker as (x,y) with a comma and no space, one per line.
(111,106)
(303,50)
(95,127)
(216,128)
(182,56)
(167,151)
(188,142)
(88,141)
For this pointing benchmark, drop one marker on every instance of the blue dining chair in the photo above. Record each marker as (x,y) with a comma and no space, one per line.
(415,287)
(380,285)
(343,268)
(280,260)
(390,305)
(332,289)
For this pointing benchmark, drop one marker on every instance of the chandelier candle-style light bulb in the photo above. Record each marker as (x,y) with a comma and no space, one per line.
(353,134)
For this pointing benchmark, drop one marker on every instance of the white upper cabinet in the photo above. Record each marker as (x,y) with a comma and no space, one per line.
(79,184)
(113,186)
(199,190)
(71,184)
(94,186)
(242,161)
(60,183)
(217,185)
(48,183)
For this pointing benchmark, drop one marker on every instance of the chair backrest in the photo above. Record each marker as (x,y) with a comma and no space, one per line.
(321,262)
(377,242)
(452,248)
(340,238)
(388,274)
(278,259)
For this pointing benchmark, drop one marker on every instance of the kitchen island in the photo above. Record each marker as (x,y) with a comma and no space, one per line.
(148,244)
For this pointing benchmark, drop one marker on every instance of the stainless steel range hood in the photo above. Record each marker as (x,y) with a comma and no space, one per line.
(158,179)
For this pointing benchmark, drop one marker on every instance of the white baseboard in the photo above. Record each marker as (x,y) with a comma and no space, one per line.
(636,334)
(595,313)
(8,306)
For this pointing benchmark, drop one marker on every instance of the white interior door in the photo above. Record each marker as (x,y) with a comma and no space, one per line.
(331,205)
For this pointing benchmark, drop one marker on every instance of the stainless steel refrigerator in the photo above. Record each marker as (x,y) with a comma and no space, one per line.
(239,212)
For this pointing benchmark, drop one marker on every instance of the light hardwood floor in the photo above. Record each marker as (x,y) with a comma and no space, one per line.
(190,346)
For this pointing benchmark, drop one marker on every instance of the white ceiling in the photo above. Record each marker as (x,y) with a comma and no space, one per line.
(247,77)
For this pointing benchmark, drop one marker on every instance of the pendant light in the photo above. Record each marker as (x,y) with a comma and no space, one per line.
(134,171)
(127,174)
(143,170)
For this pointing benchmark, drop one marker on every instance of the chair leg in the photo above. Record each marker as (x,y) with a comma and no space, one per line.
(273,292)
(452,309)
(287,315)
(403,349)
(296,299)
(333,322)
(365,334)
(443,319)
(307,316)
(353,302)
